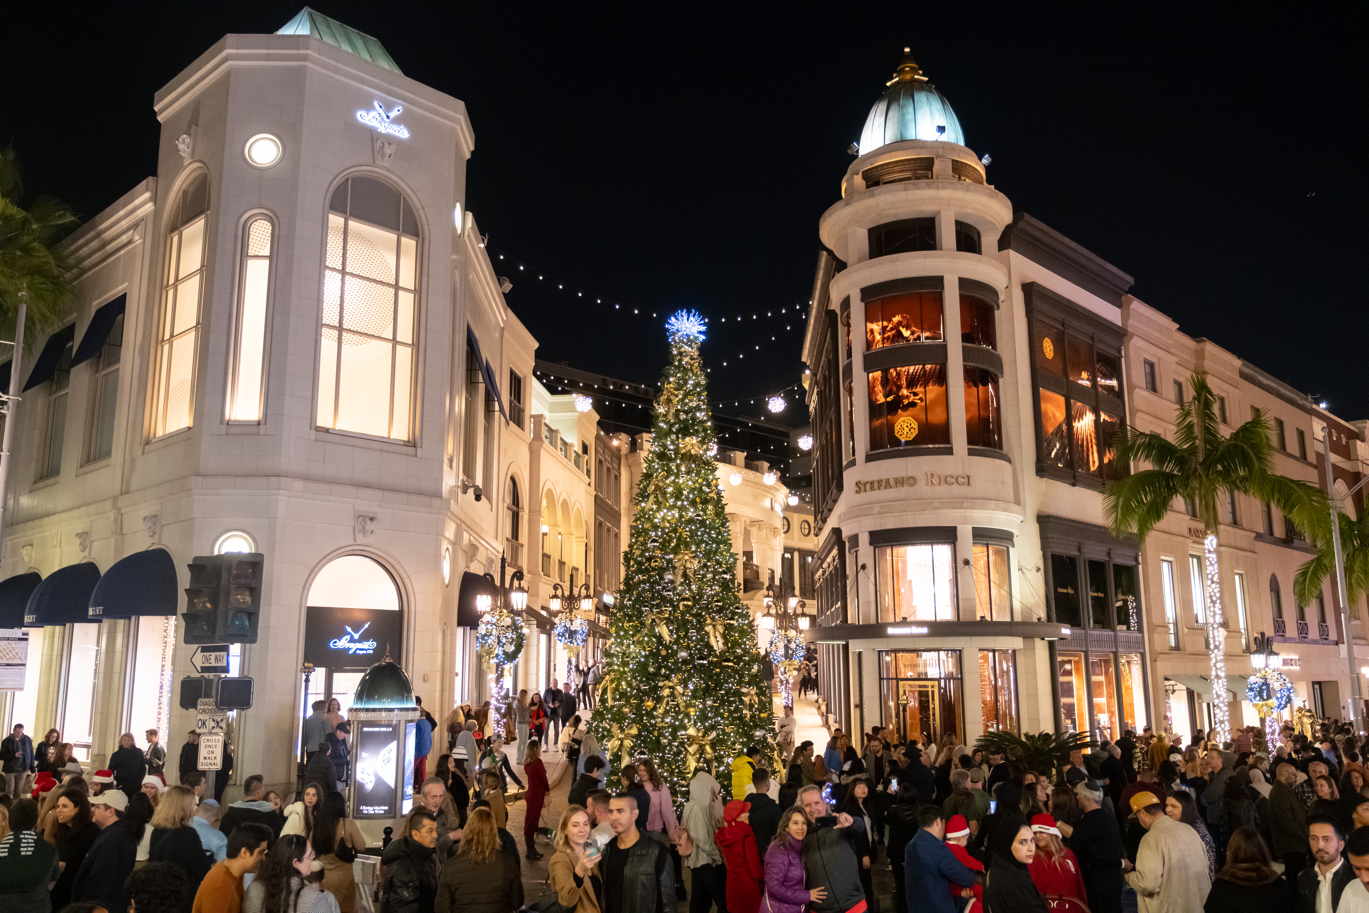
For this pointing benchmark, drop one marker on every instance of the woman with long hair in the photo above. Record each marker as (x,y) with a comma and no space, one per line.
(537,717)
(333,714)
(1008,887)
(299,816)
(337,840)
(175,840)
(631,778)
(785,881)
(128,764)
(73,833)
(538,787)
(288,881)
(573,869)
(1327,801)
(1246,884)
(483,876)
(521,720)
(660,817)
(1055,870)
(45,753)
(453,774)
(1181,807)
(492,791)
(857,803)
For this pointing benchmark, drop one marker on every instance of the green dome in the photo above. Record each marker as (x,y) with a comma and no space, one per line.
(910,109)
(386,688)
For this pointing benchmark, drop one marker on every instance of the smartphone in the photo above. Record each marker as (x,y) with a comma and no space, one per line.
(827,793)
(893,784)
(593,850)
(993,806)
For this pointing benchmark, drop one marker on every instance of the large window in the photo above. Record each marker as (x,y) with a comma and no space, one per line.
(59,394)
(898,319)
(515,398)
(916,582)
(370,311)
(178,331)
(978,322)
(1242,613)
(998,690)
(1170,596)
(920,693)
(967,238)
(903,236)
(515,507)
(105,400)
(1134,714)
(1099,593)
(1073,691)
(1065,590)
(992,583)
(247,365)
(908,406)
(983,419)
(1126,598)
(1276,605)
(1076,437)
(78,697)
(1197,589)
(1100,615)
(1104,681)
(152,644)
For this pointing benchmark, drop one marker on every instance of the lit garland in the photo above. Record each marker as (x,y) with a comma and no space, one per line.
(787,650)
(1216,646)
(1269,690)
(571,631)
(499,637)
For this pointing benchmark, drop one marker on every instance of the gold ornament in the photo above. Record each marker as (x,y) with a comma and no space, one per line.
(905,429)
(700,744)
(620,740)
(658,621)
(692,446)
(649,704)
(714,627)
(1048,348)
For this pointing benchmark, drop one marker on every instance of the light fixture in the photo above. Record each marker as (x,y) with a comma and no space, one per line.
(805,442)
(446,565)
(792,499)
(554,600)
(518,594)
(545,529)
(776,403)
(793,601)
(456,218)
(583,403)
(483,603)
(263,150)
(768,478)
(586,600)
(804,622)
(735,478)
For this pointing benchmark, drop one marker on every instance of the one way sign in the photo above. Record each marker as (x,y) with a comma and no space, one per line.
(210,659)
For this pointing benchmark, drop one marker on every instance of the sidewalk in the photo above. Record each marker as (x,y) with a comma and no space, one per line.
(810,726)
(535,873)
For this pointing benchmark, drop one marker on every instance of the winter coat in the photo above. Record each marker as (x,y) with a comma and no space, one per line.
(661,816)
(182,848)
(573,897)
(648,877)
(1097,846)
(1239,897)
(701,819)
(828,850)
(72,845)
(785,878)
(410,877)
(252,811)
(1287,822)
(584,785)
(129,767)
(745,878)
(27,865)
(1308,885)
(742,768)
(1008,888)
(1171,869)
(492,886)
(962,855)
(307,898)
(16,755)
(296,822)
(1060,882)
(929,869)
(765,819)
(106,868)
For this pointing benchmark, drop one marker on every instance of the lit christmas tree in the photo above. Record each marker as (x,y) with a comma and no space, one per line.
(682,672)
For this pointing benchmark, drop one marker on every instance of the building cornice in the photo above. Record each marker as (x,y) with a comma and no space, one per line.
(115,228)
(1043,245)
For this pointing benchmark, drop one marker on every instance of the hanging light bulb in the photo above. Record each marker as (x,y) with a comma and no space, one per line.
(776,403)
(768,478)
(793,500)
(583,403)
(805,442)
(735,478)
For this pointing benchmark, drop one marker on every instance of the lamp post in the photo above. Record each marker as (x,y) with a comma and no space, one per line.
(789,620)
(501,632)
(1263,656)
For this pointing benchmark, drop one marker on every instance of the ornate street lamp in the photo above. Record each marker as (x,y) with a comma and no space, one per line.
(499,636)
(1269,689)
(571,627)
(787,649)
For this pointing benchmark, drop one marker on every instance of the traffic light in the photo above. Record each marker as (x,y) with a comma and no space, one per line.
(202,600)
(242,602)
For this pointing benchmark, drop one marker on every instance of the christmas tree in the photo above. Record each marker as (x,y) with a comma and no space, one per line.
(682,672)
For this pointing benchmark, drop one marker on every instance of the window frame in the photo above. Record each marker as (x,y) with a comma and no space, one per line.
(1280,435)
(171,280)
(1197,588)
(516,399)
(967,230)
(951,584)
(1301,437)
(914,230)
(53,442)
(1150,376)
(993,613)
(1169,596)
(101,377)
(1178,392)
(245,258)
(1239,597)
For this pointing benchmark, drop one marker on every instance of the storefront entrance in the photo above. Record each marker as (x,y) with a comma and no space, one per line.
(920,693)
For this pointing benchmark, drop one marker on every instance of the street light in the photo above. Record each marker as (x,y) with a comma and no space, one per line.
(1262,653)
(786,616)
(1264,659)
(500,628)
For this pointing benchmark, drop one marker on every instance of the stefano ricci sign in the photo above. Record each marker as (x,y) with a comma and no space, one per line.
(382,120)
(352,638)
(915,480)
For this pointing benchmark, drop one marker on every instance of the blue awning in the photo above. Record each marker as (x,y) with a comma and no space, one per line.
(140,585)
(101,322)
(46,365)
(486,370)
(5,376)
(63,598)
(14,595)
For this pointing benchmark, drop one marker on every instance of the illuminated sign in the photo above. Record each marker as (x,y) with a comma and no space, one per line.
(925,480)
(895,630)
(352,642)
(382,121)
(339,638)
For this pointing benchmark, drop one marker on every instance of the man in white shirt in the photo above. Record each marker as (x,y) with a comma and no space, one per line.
(1355,897)
(1320,885)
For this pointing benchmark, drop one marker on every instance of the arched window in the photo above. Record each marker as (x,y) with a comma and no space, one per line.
(178,330)
(515,502)
(370,312)
(354,582)
(247,362)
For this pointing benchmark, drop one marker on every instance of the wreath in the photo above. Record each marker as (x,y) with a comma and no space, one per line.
(1269,690)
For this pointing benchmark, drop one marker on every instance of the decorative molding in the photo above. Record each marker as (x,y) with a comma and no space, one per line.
(382,149)
(83,542)
(26,554)
(152,526)
(185,145)
(363,526)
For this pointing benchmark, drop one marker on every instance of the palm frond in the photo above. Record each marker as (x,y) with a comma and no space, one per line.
(1138,502)
(32,267)
(1043,752)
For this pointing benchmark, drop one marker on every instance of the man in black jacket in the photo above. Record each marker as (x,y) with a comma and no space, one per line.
(915,776)
(253,809)
(902,818)
(765,811)
(828,856)
(103,872)
(638,876)
(410,866)
(1098,846)
(1327,843)
(587,782)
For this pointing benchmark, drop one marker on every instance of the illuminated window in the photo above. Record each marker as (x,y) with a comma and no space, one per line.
(1133,695)
(1073,692)
(370,311)
(1242,614)
(899,319)
(1197,589)
(998,690)
(1125,598)
(59,393)
(247,363)
(178,330)
(983,424)
(1102,672)
(992,583)
(920,693)
(908,406)
(916,582)
(234,542)
(978,324)
(105,401)
(1169,593)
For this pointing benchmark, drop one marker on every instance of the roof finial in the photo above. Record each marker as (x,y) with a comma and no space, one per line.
(908,70)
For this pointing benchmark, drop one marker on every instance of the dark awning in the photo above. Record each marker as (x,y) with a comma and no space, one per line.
(486,370)
(63,598)
(14,596)
(46,365)
(101,322)
(472,585)
(140,585)
(5,376)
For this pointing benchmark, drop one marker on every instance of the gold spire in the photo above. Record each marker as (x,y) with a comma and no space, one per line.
(908,70)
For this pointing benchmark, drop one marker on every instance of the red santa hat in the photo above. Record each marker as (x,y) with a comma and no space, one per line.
(735,809)
(957,827)
(43,783)
(1044,824)
(103,776)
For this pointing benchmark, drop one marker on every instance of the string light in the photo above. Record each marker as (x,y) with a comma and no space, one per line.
(1216,641)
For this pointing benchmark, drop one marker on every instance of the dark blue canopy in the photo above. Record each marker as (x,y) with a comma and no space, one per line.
(63,597)
(486,370)
(14,595)
(101,322)
(142,584)
(50,356)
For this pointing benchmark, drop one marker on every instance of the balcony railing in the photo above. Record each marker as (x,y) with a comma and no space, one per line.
(1302,630)
(1280,627)
(1323,630)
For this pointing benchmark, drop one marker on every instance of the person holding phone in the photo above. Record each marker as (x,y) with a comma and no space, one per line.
(785,879)
(573,869)
(829,857)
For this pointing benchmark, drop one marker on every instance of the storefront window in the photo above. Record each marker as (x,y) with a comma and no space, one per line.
(1104,696)
(1073,692)
(1055,439)
(149,669)
(1065,582)
(998,690)
(983,425)
(1126,605)
(908,406)
(1134,714)
(1098,595)
(992,583)
(977,323)
(916,582)
(899,319)
(920,693)
(25,707)
(83,655)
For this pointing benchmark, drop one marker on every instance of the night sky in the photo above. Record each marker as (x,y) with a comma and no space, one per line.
(680,155)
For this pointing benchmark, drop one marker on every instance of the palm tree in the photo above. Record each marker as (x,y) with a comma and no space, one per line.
(1354,541)
(31,266)
(1204,468)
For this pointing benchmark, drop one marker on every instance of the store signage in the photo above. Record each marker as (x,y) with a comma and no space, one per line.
(898,630)
(14,658)
(351,638)
(922,479)
(382,121)
(383,787)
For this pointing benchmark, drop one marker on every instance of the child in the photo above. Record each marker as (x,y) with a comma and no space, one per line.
(957,836)
(737,843)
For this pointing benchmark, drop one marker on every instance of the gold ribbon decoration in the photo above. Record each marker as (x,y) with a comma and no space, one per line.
(714,627)
(699,744)
(620,740)
(607,685)
(657,621)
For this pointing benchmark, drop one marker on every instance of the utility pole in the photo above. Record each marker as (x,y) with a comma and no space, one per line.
(7,403)
(1342,602)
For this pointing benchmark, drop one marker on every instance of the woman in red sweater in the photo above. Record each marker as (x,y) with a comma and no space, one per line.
(1055,870)
(737,842)
(536,773)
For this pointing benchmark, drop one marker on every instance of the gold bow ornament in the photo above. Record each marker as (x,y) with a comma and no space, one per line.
(620,740)
(714,627)
(699,744)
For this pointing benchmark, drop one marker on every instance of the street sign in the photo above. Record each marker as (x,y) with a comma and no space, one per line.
(211,752)
(210,659)
(209,719)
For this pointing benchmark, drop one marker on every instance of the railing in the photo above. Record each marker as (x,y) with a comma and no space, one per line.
(551,436)
(1302,630)
(1280,627)
(1323,630)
